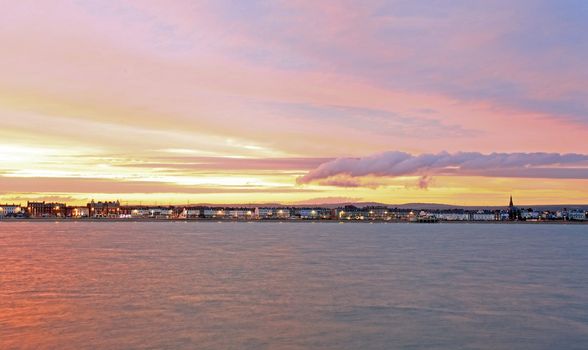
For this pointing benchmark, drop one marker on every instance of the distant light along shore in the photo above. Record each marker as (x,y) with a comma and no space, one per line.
(372,213)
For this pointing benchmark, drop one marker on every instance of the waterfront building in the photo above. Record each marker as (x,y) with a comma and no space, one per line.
(282,213)
(208,213)
(529,215)
(451,216)
(399,214)
(482,215)
(324,213)
(422,216)
(136,212)
(351,212)
(240,213)
(339,213)
(77,212)
(214,213)
(42,209)
(377,213)
(10,210)
(160,212)
(308,213)
(189,213)
(219,213)
(576,215)
(363,214)
(313,213)
(344,213)
(272,213)
(104,209)
(264,213)
(143,211)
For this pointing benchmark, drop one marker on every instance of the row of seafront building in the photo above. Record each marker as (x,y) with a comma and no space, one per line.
(114,210)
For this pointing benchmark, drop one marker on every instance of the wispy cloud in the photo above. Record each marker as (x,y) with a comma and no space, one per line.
(372,120)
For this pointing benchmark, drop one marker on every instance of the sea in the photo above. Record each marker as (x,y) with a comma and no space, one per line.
(292,285)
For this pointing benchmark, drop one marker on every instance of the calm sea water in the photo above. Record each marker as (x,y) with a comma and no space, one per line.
(178,285)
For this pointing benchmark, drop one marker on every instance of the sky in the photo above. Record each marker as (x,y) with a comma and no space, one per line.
(296,102)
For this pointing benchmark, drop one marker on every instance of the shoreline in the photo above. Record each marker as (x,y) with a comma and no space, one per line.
(151,220)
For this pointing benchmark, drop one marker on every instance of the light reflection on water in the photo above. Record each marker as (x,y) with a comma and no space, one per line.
(292,286)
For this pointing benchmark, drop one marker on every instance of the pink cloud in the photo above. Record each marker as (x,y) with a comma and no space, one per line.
(394,164)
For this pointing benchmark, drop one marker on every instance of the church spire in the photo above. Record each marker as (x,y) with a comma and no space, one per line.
(511,204)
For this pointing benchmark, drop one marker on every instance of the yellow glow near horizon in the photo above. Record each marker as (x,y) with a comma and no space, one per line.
(470,192)
(119,175)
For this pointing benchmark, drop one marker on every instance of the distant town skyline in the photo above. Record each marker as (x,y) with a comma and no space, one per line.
(415,212)
(291,102)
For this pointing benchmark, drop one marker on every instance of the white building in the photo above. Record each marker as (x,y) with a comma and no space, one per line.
(140,213)
(264,213)
(214,213)
(452,216)
(188,213)
(283,213)
(530,215)
(577,215)
(482,216)
(240,213)
(153,212)
(271,213)
(10,210)
(378,213)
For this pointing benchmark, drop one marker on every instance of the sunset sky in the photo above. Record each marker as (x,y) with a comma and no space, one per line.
(458,102)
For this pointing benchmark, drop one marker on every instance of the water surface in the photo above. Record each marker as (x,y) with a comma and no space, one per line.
(205,285)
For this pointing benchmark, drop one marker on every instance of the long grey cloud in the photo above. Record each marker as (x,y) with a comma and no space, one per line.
(393,164)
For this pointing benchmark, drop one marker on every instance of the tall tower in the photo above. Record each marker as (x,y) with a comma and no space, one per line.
(513,212)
